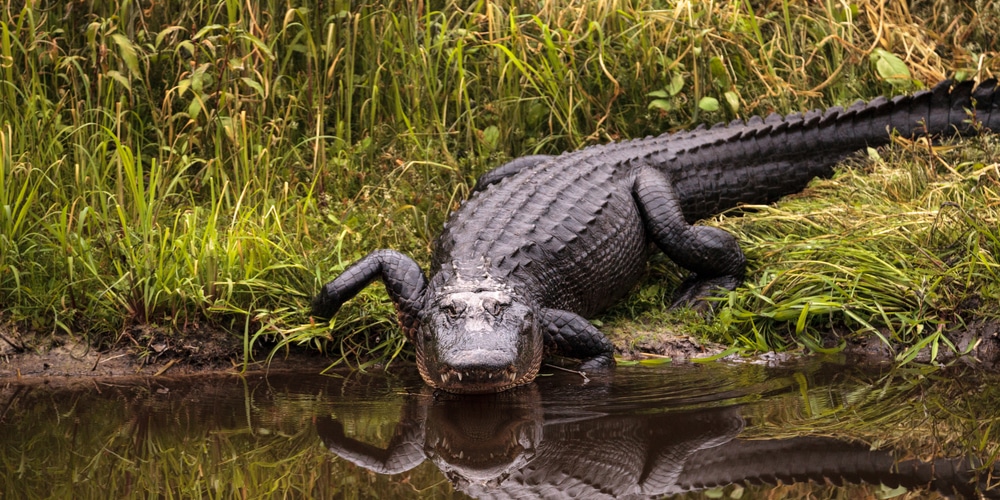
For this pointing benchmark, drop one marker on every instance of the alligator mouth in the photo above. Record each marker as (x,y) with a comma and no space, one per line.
(498,450)
(478,380)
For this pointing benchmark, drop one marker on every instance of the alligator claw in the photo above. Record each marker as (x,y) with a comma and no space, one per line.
(696,293)
(598,363)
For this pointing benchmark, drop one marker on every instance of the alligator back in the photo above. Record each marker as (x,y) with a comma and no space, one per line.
(557,231)
(568,230)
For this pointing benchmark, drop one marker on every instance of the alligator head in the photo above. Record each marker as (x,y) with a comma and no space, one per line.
(477,335)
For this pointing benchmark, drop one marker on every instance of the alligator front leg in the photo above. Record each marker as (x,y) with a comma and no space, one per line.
(405,450)
(711,254)
(402,276)
(569,334)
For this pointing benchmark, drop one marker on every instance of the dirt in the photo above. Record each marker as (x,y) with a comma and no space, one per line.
(141,351)
(146,351)
(977,344)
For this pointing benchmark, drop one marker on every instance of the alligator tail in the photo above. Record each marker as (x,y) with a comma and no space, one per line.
(822,459)
(762,159)
(940,111)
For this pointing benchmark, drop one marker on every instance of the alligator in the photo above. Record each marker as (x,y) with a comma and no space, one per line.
(545,242)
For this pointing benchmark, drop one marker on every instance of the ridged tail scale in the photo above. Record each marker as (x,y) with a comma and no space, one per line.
(765,158)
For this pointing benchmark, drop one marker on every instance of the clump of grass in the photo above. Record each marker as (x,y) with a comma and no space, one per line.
(215,162)
(901,246)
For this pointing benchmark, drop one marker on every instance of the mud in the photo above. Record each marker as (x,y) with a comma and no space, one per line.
(146,351)
(141,351)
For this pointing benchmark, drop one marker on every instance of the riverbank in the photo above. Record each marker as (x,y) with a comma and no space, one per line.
(66,360)
(173,172)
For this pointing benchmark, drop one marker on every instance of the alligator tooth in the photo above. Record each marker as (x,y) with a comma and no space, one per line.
(444,378)
(459,376)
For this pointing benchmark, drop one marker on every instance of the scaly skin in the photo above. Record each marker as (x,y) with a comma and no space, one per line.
(545,242)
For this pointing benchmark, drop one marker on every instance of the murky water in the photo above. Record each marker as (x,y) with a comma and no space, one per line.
(816,430)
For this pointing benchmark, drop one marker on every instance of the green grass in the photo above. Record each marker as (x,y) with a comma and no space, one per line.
(213,162)
(902,247)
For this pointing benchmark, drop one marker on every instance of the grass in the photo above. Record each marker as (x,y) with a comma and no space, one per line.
(212,163)
(899,247)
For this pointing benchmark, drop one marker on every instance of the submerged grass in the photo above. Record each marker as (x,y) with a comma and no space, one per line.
(214,162)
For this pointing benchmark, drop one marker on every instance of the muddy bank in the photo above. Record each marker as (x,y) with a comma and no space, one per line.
(149,352)
(978,344)
(144,352)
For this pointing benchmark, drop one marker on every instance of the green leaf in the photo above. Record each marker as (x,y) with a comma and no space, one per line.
(885,492)
(163,34)
(708,104)
(718,69)
(491,136)
(654,361)
(206,30)
(261,46)
(661,104)
(676,84)
(188,46)
(91,33)
(127,51)
(194,108)
(708,359)
(891,68)
(733,100)
(659,93)
(183,86)
(255,85)
(714,493)
(800,325)
(120,78)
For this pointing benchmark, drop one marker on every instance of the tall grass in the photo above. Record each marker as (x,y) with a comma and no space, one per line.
(174,164)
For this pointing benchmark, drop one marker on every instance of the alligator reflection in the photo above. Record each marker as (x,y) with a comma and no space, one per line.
(532,443)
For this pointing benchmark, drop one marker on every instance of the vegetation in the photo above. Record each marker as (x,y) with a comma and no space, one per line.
(183,164)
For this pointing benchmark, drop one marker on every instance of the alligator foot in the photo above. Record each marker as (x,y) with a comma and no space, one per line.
(598,363)
(711,254)
(569,334)
(698,294)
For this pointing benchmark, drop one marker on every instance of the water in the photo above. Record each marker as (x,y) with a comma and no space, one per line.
(814,430)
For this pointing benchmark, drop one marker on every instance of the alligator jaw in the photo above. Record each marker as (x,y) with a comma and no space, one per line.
(479,380)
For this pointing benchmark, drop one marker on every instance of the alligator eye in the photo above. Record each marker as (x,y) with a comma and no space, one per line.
(453,310)
(494,307)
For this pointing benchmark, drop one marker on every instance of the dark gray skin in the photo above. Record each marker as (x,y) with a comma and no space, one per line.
(545,242)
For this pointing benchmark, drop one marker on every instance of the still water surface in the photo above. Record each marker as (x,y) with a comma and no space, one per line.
(813,430)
